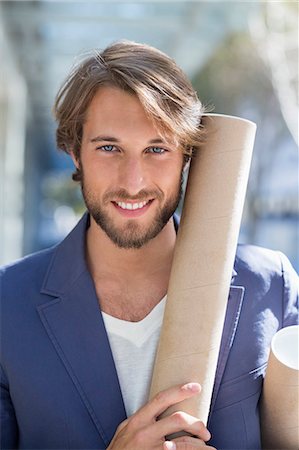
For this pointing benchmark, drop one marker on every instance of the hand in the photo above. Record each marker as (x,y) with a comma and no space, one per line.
(142,431)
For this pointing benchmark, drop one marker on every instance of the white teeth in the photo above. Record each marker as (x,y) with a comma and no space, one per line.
(131,206)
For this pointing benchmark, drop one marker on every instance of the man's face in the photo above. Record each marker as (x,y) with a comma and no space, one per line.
(131,177)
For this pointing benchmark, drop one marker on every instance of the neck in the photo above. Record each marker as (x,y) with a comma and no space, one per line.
(106,259)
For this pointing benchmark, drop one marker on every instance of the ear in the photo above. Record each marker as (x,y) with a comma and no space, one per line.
(75,159)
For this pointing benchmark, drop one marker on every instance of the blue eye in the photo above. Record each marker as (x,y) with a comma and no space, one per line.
(106,148)
(158,150)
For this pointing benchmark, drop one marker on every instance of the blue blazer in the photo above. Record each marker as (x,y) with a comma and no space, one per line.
(59,385)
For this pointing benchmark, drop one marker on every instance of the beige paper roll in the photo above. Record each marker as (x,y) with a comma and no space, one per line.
(203,261)
(280,400)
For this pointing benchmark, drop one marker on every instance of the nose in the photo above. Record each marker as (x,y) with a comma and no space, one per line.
(132,175)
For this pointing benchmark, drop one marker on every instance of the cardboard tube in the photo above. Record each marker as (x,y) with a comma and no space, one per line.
(280,405)
(203,261)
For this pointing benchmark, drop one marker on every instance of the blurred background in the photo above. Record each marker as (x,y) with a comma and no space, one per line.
(242,58)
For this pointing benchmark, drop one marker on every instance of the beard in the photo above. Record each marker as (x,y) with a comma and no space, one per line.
(131,235)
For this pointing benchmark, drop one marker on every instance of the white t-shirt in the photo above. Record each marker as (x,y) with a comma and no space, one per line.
(134,346)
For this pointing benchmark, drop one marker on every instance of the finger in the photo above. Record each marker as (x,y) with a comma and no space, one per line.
(191,440)
(181,421)
(122,425)
(171,396)
(162,401)
(185,445)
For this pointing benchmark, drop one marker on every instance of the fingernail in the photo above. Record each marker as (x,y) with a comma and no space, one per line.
(169,445)
(194,387)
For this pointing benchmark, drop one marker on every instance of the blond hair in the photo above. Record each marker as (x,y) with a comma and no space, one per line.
(161,86)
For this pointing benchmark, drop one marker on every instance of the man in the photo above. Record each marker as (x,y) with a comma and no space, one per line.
(81,321)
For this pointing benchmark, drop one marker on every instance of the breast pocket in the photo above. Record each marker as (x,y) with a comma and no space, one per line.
(234,422)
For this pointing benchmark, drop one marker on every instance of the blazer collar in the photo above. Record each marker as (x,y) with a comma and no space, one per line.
(68,261)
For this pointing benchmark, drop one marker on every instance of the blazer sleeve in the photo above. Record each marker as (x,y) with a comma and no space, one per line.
(290,292)
(9,427)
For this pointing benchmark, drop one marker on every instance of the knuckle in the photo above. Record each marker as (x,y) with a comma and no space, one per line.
(179,417)
(160,397)
(133,422)
(201,425)
(122,425)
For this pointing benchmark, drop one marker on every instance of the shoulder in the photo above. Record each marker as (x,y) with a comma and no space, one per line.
(255,258)
(27,271)
(268,277)
(252,260)
(20,294)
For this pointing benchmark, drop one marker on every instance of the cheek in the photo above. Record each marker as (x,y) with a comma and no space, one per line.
(168,178)
(98,173)
(170,167)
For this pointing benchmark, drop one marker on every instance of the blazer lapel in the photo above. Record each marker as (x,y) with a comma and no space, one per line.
(233,310)
(75,326)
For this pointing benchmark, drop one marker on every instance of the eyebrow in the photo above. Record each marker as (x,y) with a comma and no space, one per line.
(113,139)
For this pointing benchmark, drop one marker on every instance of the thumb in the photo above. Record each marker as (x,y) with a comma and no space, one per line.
(169,445)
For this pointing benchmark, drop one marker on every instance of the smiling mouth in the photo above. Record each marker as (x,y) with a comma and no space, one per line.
(133,206)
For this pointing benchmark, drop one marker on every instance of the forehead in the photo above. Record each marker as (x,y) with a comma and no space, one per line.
(115,111)
(113,106)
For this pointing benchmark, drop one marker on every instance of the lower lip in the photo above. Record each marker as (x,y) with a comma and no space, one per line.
(131,213)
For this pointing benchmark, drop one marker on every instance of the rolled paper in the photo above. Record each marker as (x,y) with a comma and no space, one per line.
(279,403)
(203,261)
